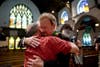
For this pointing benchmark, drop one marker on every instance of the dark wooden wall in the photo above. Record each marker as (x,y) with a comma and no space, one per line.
(11,58)
(15,58)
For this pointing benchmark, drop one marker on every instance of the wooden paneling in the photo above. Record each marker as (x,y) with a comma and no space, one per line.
(90,58)
(11,58)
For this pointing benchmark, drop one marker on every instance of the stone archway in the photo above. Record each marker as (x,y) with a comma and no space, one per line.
(90,22)
(87,20)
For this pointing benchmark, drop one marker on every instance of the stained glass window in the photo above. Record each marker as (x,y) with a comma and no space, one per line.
(82,6)
(86,39)
(20,16)
(11,42)
(12,20)
(24,19)
(17,41)
(18,21)
(64,17)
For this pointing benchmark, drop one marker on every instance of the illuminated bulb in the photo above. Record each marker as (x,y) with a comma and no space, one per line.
(97,25)
(77,30)
(53,11)
(68,2)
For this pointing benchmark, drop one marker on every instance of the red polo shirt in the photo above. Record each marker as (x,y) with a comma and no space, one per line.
(49,47)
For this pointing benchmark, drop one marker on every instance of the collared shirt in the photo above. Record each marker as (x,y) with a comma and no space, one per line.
(48,49)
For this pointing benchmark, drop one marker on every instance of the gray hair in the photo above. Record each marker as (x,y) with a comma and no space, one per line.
(31,29)
(50,16)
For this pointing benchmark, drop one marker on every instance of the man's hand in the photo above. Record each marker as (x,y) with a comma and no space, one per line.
(74,49)
(35,62)
(78,43)
(32,41)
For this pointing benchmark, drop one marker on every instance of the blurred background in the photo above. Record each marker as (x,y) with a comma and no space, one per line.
(82,15)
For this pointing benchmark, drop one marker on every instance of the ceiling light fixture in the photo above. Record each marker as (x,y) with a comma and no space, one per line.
(97,24)
(53,11)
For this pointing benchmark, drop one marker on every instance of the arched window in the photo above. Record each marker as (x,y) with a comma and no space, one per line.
(11,42)
(20,16)
(17,41)
(82,6)
(64,17)
(86,38)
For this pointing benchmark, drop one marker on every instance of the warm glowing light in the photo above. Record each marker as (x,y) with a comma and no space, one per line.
(20,16)
(97,25)
(53,11)
(86,8)
(11,43)
(77,30)
(62,21)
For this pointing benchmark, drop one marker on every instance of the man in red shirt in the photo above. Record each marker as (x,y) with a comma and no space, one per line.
(49,47)
(47,26)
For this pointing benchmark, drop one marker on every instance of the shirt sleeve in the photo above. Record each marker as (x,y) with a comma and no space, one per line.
(60,46)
